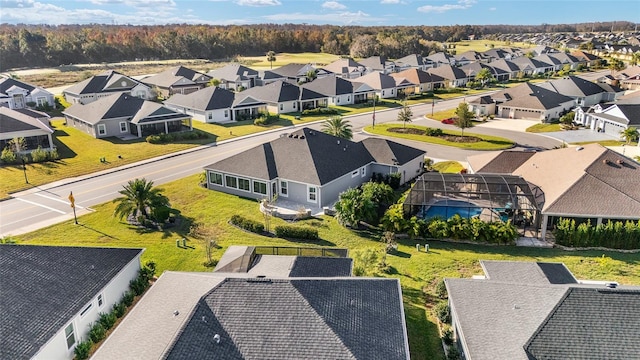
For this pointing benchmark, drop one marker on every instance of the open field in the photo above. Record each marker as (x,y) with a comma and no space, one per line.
(484,45)
(261,63)
(418,272)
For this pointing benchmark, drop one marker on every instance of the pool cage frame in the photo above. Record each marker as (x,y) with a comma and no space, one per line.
(498,196)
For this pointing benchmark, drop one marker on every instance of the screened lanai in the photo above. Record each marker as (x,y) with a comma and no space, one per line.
(490,197)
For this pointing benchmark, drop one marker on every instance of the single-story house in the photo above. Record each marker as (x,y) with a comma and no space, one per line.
(278,97)
(105,84)
(346,68)
(453,76)
(210,105)
(379,64)
(264,307)
(506,66)
(422,80)
(384,85)
(566,59)
(51,295)
(528,101)
(234,76)
(587,58)
(442,58)
(497,54)
(588,182)
(414,61)
(546,58)
(585,92)
(341,91)
(19,124)
(123,115)
(472,69)
(469,57)
(298,73)
(539,310)
(20,95)
(177,80)
(531,66)
(310,167)
(609,118)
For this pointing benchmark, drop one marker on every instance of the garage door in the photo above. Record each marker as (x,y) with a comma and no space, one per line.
(613,129)
(505,113)
(521,114)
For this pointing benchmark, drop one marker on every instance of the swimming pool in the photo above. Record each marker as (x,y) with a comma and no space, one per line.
(447,208)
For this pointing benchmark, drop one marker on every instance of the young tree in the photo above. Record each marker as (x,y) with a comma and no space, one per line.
(405,114)
(352,208)
(213,82)
(464,117)
(311,75)
(271,57)
(630,134)
(484,76)
(635,58)
(616,65)
(337,126)
(140,199)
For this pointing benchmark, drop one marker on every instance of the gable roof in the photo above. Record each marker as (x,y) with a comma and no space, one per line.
(277,92)
(505,65)
(344,66)
(330,85)
(448,72)
(293,71)
(209,98)
(377,80)
(390,152)
(590,324)
(531,96)
(15,121)
(524,63)
(317,319)
(233,72)
(441,58)
(501,162)
(377,63)
(8,83)
(174,75)
(108,81)
(41,293)
(527,272)
(415,76)
(574,86)
(414,60)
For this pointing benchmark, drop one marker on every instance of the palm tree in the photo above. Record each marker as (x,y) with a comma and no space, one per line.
(140,199)
(338,127)
(484,76)
(630,134)
(405,114)
(271,57)
(616,65)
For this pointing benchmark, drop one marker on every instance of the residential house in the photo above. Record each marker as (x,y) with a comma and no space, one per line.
(482,106)
(234,76)
(453,76)
(470,56)
(423,80)
(51,295)
(556,64)
(105,84)
(609,118)
(125,116)
(263,307)
(384,85)
(26,125)
(586,182)
(542,49)
(498,53)
(585,92)
(528,101)
(19,95)
(379,64)
(323,166)
(278,97)
(539,310)
(177,80)
(565,59)
(268,76)
(442,58)
(532,67)
(414,61)
(210,105)
(340,91)
(506,66)
(299,73)
(474,68)
(346,68)
(628,79)
(587,58)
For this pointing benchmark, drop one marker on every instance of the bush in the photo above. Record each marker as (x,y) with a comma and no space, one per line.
(434,132)
(320,111)
(82,350)
(127,298)
(107,320)
(8,156)
(612,234)
(296,232)
(453,353)
(447,336)
(442,312)
(119,309)
(139,285)
(53,155)
(247,224)
(97,333)
(441,289)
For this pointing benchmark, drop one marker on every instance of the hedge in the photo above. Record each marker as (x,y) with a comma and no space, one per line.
(612,234)
(247,224)
(165,138)
(320,111)
(296,232)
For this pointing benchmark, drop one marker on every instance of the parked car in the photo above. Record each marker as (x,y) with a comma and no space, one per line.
(448,121)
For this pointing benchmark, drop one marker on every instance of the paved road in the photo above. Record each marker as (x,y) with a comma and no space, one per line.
(48,204)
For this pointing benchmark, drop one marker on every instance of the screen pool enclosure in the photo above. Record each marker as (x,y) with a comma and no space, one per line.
(490,197)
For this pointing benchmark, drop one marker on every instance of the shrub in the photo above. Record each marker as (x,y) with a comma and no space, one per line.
(320,111)
(434,132)
(127,298)
(8,156)
(53,155)
(441,289)
(107,320)
(296,232)
(247,224)
(260,121)
(442,312)
(139,285)
(447,336)
(453,353)
(82,350)
(97,333)
(119,309)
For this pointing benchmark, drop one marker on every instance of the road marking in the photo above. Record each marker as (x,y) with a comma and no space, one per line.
(42,206)
(58,200)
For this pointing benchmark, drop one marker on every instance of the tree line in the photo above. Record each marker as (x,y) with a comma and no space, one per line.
(48,45)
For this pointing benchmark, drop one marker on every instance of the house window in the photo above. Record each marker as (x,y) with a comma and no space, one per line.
(102,129)
(283,188)
(215,178)
(69,334)
(312,193)
(382,92)
(123,126)
(260,187)
(355,173)
(348,98)
(86,309)
(210,116)
(363,172)
(244,184)
(41,101)
(226,113)
(100,300)
(231,181)
(281,107)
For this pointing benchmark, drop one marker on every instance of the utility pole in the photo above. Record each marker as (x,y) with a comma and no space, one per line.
(373,118)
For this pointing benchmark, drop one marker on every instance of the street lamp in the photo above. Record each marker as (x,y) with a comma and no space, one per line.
(24,169)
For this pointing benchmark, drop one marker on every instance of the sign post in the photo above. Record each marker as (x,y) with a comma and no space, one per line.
(72,202)
(374,111)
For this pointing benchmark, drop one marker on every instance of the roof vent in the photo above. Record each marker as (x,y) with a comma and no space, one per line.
(216,338)
(620,162)
(612,285)
(579,148)
(204,318)
(295,136)
(605,161)
(338,141)
(301,136)
(176,312)
(290,135)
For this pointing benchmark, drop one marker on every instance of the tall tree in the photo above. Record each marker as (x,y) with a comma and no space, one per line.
(337,126)
(271,57)
(616,65)
(405,114)
(464,117)
(139,198)
(630,134)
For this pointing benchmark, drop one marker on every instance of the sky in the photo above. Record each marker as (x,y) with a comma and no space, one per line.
(338,12)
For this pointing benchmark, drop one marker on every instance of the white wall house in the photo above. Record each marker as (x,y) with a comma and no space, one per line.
(19,95)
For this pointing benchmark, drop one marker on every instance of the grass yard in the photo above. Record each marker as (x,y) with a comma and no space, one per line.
(487,142)
(261,63)
(418,272)
(606,143)
(542,128)
(441,115)
(449,167)
(484,45)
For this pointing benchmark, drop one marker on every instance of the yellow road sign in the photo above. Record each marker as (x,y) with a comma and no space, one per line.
(72,200)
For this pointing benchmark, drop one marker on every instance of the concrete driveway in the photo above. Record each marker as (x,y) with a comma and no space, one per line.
(508,124)
(571,136)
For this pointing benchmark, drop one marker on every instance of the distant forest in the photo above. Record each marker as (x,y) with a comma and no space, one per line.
(41,45)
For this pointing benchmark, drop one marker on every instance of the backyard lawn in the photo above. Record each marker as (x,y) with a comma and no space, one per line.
(261,63)
(418,272)
(449,167)
(485,142)
(542,128)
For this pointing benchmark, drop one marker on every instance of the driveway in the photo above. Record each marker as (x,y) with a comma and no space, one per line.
(508,124)
(571,136)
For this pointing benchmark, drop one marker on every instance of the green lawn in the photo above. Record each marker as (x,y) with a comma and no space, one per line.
(487,142)
(484,45)
(418,272)
(541,128)
(606,143)
(261,63)
(450,167)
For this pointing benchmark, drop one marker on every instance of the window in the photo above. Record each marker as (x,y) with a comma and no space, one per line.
(348,98)
(231,181)
(102,129)
(382,92)
(123,126)
(260,187)
(363,172)
(215,178)
(41,101)
(355,173)
(100,300)
(210,116)
(226,113)
(69,334)
(86,309)
(281,107)
(283,188)
(312,193)
(244,184)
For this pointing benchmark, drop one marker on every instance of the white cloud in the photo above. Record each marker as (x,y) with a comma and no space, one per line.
(136,3)
(461,5)
(16,3)
(390,2)
(333,5)
(258,2)
(492,9)
(345,17)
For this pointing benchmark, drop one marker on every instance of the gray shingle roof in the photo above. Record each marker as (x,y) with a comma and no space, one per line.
(590,324)
(7,83)
(43,287)
(389,152)
(14,121)
(209,98)
(527,272)
(448,72)
(506,162)
(277,92)
(330,85)
(377,80)
(171,76)
(233,72)
(307,266)
(531,96)
(108,81)
(573,86)
(296,319)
